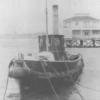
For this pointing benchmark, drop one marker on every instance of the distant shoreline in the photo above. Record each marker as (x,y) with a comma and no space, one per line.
(20,36)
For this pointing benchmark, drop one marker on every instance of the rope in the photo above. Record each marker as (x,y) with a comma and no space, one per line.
(52,87)
(82,98)
(95,90)
(6,85)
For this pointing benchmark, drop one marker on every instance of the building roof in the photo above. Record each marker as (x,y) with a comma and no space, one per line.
(81,18)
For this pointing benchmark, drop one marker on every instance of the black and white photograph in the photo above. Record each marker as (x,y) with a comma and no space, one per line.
(49,49)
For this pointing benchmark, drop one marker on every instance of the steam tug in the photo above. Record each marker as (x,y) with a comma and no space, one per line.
(52,62)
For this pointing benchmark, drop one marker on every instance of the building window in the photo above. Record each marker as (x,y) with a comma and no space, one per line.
(76,23)
(96,31)
(76,32)
(86,32)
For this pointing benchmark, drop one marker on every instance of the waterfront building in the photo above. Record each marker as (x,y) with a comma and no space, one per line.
(81,26)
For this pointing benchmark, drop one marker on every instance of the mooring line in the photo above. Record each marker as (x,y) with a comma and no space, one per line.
(52,87)
(78,92)
(6,85)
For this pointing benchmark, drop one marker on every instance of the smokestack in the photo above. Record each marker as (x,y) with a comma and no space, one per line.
(55,20)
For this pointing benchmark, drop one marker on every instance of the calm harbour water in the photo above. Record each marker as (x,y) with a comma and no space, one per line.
(90,79)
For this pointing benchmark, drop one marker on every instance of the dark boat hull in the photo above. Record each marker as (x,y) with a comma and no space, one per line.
(46,69)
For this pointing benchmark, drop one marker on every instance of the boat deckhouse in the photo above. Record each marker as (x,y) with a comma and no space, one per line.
(82,27)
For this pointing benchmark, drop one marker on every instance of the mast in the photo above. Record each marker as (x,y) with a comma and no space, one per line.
(47,40)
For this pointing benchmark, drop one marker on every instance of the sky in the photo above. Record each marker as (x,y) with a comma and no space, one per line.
(28,16)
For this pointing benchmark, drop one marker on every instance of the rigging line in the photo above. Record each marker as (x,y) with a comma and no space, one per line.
(52,87)
(92,89)
(47,39)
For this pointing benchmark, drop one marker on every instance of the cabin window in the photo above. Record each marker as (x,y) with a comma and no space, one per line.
(55,43)
(42,43)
